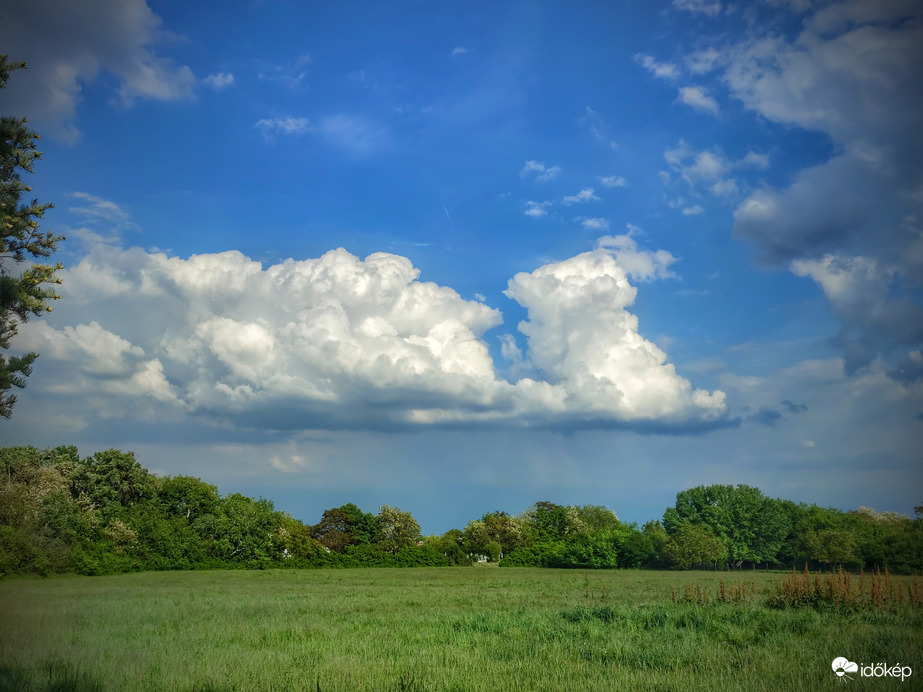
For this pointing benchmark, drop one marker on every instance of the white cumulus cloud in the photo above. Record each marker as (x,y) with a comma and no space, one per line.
(537,209)
(664,70)
(584,341)
(595,224)
(220,80)
(585,195)
(541,171)
(613,181)
(341,342)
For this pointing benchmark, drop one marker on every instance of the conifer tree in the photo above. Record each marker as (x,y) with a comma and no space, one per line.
(24,286)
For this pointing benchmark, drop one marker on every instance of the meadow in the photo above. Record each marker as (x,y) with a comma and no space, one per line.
(476,628)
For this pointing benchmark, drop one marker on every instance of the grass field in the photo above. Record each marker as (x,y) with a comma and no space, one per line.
(433,629)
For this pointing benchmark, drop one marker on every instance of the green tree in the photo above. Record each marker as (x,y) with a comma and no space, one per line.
(24,287)
(885,540)
(554,522)
(659,538)
(833,547)
(808,523)
(597,518)
(450,545)
(752,526)
(396,529)
(187,497)
(509,532)
(588,551)
(635,548)
(335,531)
(295,543)
(364,524)
(693,545)
(111,480)
(246,530)
(38,519)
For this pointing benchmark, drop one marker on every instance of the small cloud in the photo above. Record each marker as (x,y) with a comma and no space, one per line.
(291,75)
(219,80)
(810,444)
(755,160)
(537,209)
(767,416)
(99,209)
(592,120)
(794,408)
(703,61)
(542,172)
(480,297)
(585,195)
(509,349)
(697,98)
(289,463)
(693,211)
(459,51)
(283,126)
(725,187)
(596,224)
(105,221)
(613,181)
(710,7)
(663,70)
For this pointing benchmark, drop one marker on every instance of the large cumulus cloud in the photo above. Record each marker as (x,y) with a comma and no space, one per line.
(342,342)
(587,345)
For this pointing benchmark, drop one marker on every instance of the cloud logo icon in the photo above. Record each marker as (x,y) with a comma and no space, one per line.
(841,666)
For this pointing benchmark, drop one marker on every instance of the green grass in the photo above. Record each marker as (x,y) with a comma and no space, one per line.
(431,629)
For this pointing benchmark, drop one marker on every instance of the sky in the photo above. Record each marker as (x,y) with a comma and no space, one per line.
(458,258)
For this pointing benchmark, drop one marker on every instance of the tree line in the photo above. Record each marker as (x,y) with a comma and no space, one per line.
(107,514)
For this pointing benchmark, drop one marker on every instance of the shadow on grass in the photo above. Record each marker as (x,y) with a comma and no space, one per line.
(53,677)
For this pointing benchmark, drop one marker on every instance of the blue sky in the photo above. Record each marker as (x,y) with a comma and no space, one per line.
(459,258)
